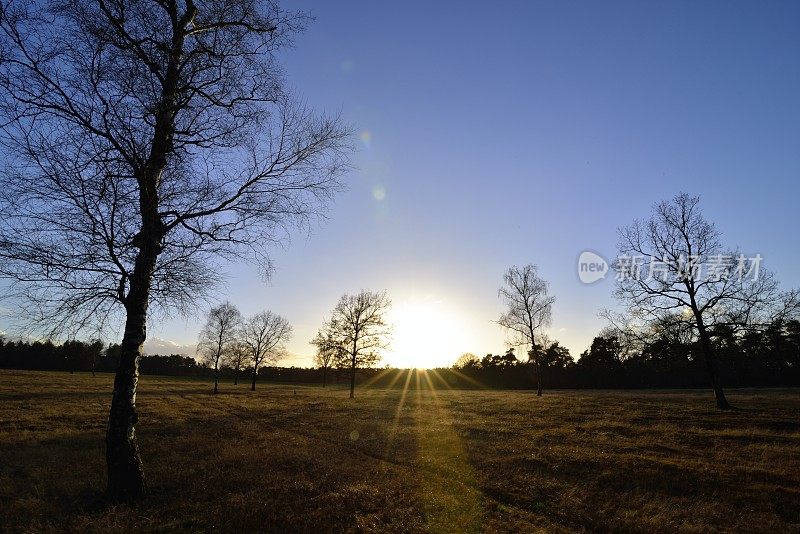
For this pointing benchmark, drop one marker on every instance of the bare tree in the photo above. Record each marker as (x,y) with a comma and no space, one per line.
(662,282)
(328,352)
(529,309)
(265,335)
(219,336)
(142,141)
(357,330)
(235,358)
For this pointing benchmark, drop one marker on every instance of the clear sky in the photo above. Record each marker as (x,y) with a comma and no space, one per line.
(505,133)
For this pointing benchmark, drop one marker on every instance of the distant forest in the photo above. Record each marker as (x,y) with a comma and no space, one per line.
(768,358)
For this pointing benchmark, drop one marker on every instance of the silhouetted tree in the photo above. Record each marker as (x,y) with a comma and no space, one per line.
(219,336)
(358,330)
(72,354)
(235,358)
(79,355)
(467,361)
(328,352)
(500,360)
(529,309)
(660,281)
(265,334)
(95,352)
(792,348)
(172,365)
(604,353)
(141,140)
(556,356)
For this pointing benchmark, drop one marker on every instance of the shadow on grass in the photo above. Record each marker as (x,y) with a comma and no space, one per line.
(309,460)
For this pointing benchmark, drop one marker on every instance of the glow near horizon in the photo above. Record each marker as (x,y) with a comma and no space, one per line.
(427,333)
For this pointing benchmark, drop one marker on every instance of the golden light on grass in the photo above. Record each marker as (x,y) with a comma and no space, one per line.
(417,457)
(399,410)
(448,488)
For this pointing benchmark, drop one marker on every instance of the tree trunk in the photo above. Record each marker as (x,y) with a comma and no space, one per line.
(707,349)
(236,375)
(324,376)
(216,379)
(125,474)
(353,378)
(538,379)
(708,356)
(253,385)
(533,357)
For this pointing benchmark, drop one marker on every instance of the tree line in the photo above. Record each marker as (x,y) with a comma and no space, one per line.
(760,359)
(89,356)
(97,357)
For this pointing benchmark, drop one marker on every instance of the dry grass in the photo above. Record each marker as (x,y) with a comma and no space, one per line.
(426,460)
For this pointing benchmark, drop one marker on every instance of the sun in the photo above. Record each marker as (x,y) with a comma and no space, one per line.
(427,333)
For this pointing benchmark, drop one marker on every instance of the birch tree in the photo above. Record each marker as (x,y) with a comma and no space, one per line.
(144,141)
(528,310)
(265,336)
(357,331)
(674,273)
(218,338)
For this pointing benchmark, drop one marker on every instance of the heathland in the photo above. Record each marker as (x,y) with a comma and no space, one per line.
(413,459)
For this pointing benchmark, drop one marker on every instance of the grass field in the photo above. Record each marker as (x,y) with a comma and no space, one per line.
(308,459)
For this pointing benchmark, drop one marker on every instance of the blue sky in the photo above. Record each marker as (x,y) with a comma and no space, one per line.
(505,133)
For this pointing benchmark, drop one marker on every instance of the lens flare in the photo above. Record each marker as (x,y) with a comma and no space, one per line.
(366,138)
